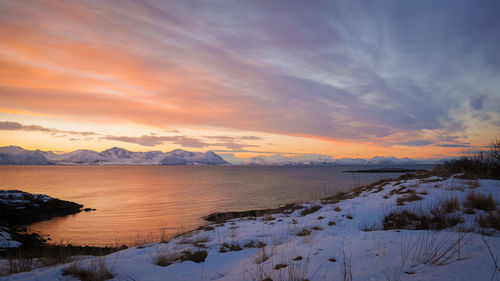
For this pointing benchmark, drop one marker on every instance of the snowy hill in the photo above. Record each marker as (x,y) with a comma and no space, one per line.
(14,155)
(82,156)
(10,155)
(315,159)
(183,157)
(118,153)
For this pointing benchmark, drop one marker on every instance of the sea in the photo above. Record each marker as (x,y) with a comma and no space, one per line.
(140,204)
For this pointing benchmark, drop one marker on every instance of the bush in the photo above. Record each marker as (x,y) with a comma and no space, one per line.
(479,201)
(304,232)
(491,220)
(408,220)
(483,164)
(450,205)
(197,257)
(310,210)
(96,271)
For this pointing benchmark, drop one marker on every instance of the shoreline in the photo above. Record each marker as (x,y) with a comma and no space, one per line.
(318,235)
(37,240)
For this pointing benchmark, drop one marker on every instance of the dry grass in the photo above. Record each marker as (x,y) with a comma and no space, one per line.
(304,232)
(434,248)
(406,219)
(410,197)
(20,264)
(234,247)
(480,201)
(195,240)
(450,205)
(197,256)
(261,256)
(492,220)
(310,210)
(165,256)
(268,218)
(97,270)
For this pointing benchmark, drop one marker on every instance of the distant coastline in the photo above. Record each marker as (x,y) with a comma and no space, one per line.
(383,170)
(14,155)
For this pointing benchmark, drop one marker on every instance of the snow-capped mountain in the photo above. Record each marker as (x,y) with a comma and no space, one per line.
(82,156)
(183,157)
(317,159)
(118,153)
(15,155)
(11,155)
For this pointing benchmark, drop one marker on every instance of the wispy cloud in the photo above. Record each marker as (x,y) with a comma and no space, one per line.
(453,145)
(15,126)
(149,140)
(416,143)
(186,141)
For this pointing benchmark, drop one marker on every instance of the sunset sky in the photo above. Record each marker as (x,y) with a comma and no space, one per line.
(356,79)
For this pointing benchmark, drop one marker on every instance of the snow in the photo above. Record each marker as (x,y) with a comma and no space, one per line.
(21,199)
(335,234)
(119,156)
(6,240)
(112,156)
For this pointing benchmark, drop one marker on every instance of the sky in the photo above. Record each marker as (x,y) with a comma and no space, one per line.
(353,79)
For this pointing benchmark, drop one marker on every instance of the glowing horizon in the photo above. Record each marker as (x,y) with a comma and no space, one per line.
(345,79)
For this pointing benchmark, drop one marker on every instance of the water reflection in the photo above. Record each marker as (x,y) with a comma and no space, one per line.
(135,203)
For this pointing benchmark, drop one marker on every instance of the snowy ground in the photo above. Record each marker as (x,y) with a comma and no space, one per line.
(332,243)
(6,240)
(19,199)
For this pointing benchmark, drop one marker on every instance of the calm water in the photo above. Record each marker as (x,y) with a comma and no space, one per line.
(140,202)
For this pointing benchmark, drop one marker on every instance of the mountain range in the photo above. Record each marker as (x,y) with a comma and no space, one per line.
(14,155)
(316,159)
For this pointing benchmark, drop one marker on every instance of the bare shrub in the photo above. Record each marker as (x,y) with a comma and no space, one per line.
(434,248)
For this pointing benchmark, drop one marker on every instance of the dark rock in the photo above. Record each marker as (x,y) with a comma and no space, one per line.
(33,209)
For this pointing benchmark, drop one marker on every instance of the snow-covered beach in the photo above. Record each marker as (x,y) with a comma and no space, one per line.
(353,236)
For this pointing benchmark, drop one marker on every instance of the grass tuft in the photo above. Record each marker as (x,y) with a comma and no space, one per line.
(304,232)
(480,201)
(96,271)
(450,205)
(310,210)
